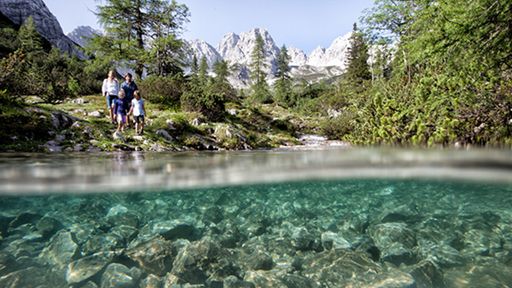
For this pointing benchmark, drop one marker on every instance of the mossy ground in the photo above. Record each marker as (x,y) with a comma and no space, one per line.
(26,128)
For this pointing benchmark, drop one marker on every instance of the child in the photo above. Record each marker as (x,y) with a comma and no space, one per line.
(119,108)
(138,110)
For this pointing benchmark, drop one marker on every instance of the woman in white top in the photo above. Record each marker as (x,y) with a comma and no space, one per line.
(110,90)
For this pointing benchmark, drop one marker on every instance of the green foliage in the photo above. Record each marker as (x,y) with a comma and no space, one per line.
(358,69)
(144,33)
(336,128)
(283,93)
(259,87)
(163,90)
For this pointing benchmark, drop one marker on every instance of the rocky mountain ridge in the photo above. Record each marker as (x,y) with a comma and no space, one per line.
(17,11)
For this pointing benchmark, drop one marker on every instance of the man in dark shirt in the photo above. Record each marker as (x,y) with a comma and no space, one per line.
(129,87)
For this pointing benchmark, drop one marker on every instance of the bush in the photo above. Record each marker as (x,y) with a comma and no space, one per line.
(209,101)
(163,90)
(336,128)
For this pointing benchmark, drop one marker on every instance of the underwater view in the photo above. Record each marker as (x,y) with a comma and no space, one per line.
(333,218)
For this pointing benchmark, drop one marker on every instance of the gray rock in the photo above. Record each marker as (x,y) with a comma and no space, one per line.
(52,146)
(117,276)
(176,229)
(296,281)
(158,148)
(118,136)
(193,262)
(154,257)
(260,260)
(87,267)
(48,226)
(302,239)
(151,281)
(120,215)
(31,277)
(342,268)
(233,282)
(79,101)
(331,240)
(441,254)
(395,241)
(264,279)
(46,24)
(95,114)
(60,251)
(427,274)
(61,120)
(24,218)
(164,134)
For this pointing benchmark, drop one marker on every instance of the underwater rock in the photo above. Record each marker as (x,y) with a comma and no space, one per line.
(102,243)
(264,279)
(31,277)
(302,239)
(60,251)
(441,254)
(151,281)
(479,275)
(48,226)
(154,257)
(478,242)
(176,229)
(4,224)
(85,268)
(193,262)
(395,241)
(427,274)
(124,232)
(331,240)
(234,282)
(117,276)
(119,215)
(213,214)
(24,218)
(296,281)
(260,260)
(342,268)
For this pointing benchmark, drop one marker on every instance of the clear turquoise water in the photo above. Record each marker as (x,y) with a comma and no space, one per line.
(360,218)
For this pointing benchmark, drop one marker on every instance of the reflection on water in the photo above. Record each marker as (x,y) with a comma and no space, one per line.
(134,171)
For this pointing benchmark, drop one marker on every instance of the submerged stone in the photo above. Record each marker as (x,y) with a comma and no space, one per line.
(85,268)
(117,276)
(151,281)
(260,260)
(154,257)
(60,251)
(395,241)
(331,240)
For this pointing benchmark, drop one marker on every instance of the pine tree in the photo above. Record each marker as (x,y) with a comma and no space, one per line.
(358,69)
(194,67)
(144,32)
(259,84)
(29,39)
(282,86)
(203,71)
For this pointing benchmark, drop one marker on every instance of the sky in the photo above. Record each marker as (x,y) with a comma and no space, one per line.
(304,24)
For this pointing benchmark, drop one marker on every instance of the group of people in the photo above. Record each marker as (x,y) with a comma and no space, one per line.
(123,101)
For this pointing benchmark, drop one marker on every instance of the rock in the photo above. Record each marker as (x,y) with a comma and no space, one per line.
(331,240)
(196,122)
(60,251)
(61,120)
(89,284)
(79,101)
(46,24)
(52,146)
(124,232)
(158,148)
(164,134)
(24,218)
(117,276)
(342,268)
(85,268)
(31,277)
(302,239)
(176,229)
(78,148)
(427,274)
(264,279)
(395,241)
(441,254)
(296,281)
(95,114)
(154,257)
(477,242)
(260,260)
(48,226)
(193,262)
(119,215)
(233,282)
(118,136)
(151,281)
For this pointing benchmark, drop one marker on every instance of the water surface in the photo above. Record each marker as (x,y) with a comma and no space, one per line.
(335,218)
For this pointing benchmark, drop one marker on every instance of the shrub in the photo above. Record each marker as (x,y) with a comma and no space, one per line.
(163,90)
(336,128)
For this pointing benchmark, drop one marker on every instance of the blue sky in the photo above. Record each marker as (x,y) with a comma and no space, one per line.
(304,24)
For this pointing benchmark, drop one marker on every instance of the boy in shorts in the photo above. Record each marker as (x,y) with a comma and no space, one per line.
(119,108)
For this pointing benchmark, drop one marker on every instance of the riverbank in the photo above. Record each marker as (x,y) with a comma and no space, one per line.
(82,125)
